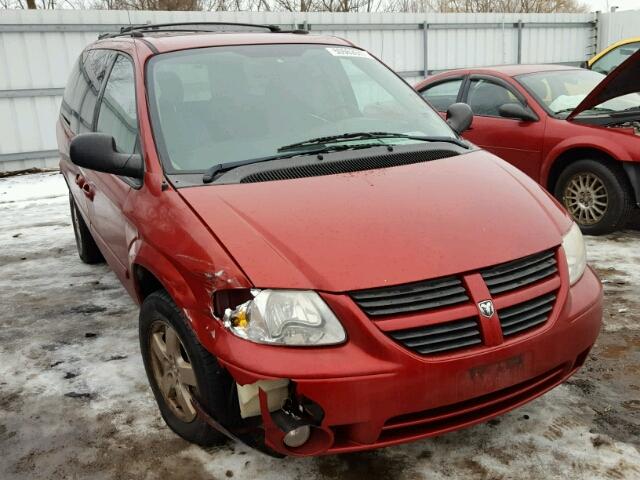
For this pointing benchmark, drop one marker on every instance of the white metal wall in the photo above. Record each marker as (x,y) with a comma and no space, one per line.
(37,49)
(617,26)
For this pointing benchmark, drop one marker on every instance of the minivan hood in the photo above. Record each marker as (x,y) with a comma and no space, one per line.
(381,227)
(620,81)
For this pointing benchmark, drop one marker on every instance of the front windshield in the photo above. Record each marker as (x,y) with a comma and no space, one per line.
(228,104)
(562,91)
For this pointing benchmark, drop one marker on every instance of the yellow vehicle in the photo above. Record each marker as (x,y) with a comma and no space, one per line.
(613,55)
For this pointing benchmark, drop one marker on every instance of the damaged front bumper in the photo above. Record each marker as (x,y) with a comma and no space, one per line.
(371,392)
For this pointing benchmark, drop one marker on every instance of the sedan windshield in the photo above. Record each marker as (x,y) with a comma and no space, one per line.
(221,105)
(562,91)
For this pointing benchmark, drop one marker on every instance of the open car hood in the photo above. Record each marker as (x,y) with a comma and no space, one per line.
(621,81)
(381,227)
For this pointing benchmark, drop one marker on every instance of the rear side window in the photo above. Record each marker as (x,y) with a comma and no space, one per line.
(442,95)
(117,116)
(70,99)
(83,88)
(486,97)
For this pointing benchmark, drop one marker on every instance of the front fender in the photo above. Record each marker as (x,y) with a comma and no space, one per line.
(190,282)
(605,145)
(145,255)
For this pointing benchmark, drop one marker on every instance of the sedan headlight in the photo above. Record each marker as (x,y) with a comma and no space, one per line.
(574,250)
(285,317)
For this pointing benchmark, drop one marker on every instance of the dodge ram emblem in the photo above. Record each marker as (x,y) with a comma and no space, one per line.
(486,308)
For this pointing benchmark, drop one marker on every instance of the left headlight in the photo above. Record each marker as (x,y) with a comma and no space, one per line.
(576,253)
(285,317)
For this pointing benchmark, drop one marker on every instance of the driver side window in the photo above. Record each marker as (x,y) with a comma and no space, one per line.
(486,97)
(117,115)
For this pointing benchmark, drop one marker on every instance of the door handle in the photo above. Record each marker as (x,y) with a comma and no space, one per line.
(80,180)
(89,190)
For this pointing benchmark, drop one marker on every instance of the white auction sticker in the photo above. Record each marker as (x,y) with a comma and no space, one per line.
(347,52)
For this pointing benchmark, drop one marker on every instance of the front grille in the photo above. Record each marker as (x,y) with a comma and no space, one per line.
(347,166)
(524,271)
(441,337)
(411,297)
(527,315)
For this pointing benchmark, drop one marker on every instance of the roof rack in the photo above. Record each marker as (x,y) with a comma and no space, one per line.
(190,27)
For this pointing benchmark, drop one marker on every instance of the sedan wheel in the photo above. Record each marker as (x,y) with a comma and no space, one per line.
(586,198)
(597,194)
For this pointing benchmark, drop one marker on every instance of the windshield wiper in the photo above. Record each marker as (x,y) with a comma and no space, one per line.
(366,136)
(324,145)
(214,170)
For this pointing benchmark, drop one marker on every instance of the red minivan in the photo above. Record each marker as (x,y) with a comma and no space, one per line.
(323,264)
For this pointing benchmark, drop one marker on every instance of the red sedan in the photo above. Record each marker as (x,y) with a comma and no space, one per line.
(574,131)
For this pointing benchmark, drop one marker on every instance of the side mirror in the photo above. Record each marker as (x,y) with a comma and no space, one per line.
(584,64)
(459,117)
(517,111)
(97,151)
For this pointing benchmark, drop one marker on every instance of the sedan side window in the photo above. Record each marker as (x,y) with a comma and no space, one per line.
(442,95)
(486,97)
(614,58)
(118,116)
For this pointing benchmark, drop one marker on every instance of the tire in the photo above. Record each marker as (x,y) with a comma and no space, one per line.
(596,194)
(88,251)
(214,384)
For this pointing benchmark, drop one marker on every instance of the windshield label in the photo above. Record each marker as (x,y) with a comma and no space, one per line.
(347,52)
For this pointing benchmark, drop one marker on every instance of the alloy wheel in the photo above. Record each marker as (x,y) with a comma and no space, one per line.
(172,370)
(586,198)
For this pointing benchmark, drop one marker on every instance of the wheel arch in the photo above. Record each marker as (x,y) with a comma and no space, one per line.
(571,155)
(153,271)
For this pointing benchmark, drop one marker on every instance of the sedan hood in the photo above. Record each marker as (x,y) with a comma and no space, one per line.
(621,81)
(381,227)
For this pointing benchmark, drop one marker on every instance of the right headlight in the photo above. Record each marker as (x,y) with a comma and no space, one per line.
(576,253)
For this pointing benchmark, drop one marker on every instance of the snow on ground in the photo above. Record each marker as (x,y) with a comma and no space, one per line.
(75,403)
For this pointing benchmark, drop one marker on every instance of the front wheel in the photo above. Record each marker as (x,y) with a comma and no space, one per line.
(597,196)
(179,369)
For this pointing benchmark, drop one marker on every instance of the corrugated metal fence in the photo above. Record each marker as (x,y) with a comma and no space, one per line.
(37,49)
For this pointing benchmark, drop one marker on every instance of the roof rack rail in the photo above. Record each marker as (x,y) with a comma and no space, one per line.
(140,30)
